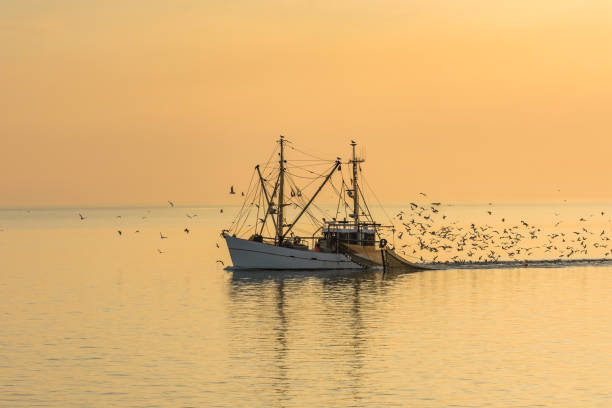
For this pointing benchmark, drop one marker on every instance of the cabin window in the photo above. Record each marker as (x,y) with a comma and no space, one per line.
(368,239)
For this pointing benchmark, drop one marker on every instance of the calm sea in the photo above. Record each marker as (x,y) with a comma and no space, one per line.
(91,318)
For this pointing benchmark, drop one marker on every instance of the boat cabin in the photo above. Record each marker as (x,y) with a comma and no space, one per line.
(347,232)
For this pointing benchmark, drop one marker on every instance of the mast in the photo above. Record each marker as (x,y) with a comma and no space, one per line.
(356,191)
(281,188)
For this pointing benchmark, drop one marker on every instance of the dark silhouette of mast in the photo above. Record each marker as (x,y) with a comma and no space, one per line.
(356,191)
(355,186)
(281,192)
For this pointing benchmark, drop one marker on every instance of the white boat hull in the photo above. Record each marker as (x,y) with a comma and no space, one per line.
(247,254)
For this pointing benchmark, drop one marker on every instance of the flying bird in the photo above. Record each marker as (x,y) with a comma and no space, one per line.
(162,236)
(81,216)
(220,261)
(171,203)
(232,190)
(160,251)
(186,230)
(423,194)
(119,232)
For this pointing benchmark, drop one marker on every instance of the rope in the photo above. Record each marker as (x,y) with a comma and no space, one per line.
(377,200)
(307,154)
(238,216)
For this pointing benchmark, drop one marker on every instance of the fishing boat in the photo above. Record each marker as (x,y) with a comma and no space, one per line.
(264,235)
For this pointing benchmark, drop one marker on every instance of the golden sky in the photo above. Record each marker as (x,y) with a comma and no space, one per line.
(143,101)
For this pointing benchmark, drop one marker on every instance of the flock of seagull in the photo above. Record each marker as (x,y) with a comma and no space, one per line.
(429,236)
(161,235)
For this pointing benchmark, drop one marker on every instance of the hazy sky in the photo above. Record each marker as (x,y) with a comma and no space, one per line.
(143,101)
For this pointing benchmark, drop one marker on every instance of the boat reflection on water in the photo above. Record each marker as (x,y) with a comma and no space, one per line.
(329,275)
(299,322)
(254,276)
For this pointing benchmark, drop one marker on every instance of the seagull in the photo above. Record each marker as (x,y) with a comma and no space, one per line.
(119,232)
(171,203)
(232,190)
(220,261)
(81,216)
(162,236)
(186,230)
